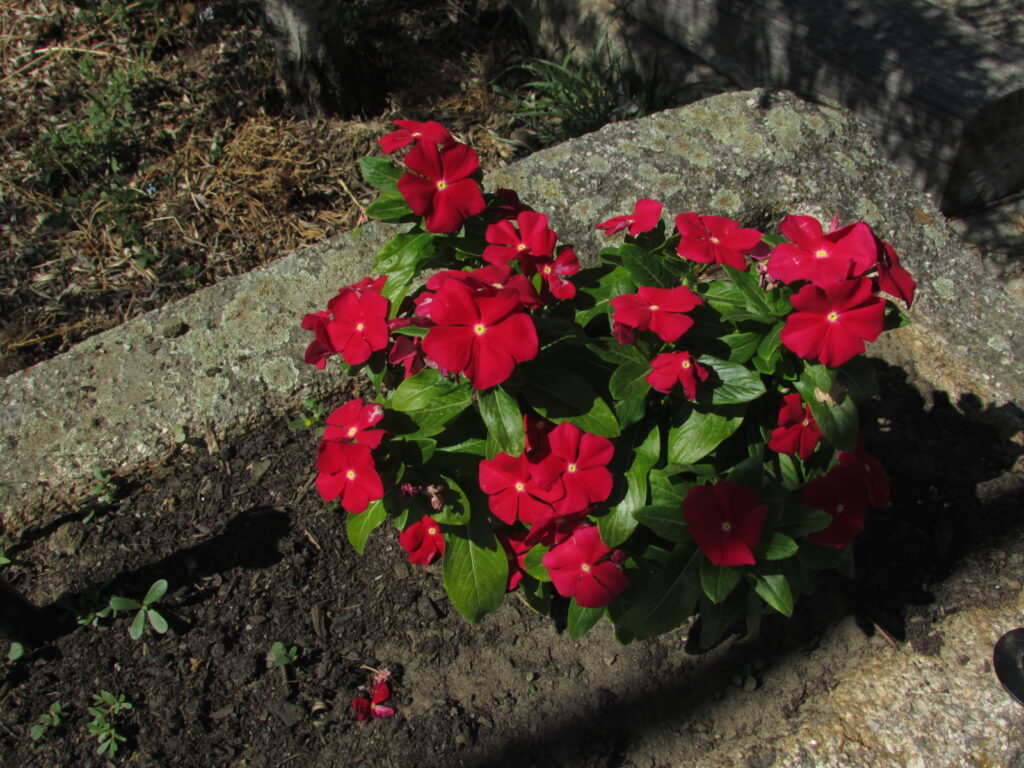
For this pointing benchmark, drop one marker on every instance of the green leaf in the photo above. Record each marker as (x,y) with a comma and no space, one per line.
(742,345)
(717,619)
(500,413)
(858,376)
(581,620)
(701,433)
(360,526)
(474,446)
(780,546)
(431,401)
(835,413)
(737,383)
(411,330)
(645,268)
(717,581)
(667,599)
(664,520)
(749,472)
(475,569)
(797,520)
(764,305)
(401,259)
(380,173)
(124,604)
(769,350)
(774,590)
(390,208)
(561,395)
(629,387)
(536,595)
(619,524)
(157,622)
(15,652)
(138,625)
(456,510)
(158,590)
(666,493)
(533,564)
(614,283)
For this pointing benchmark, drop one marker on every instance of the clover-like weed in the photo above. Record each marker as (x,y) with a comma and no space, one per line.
(280,655)
(105,710)
(145,610)
(47,721)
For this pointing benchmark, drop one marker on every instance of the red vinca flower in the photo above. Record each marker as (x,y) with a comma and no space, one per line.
(645,217)
(657,309)
(893,278)
(833,324)
(530,236)
(511,492)
(843,495)
(516,550)
(671,368)
(423,541)
(351,325)
(347,470)
(440,186)
(481,336)
(578,461)
(351,422)
(797,432)
(578,568)
(555,273)
(725,520)
(715,240)
(411,132)
(373,708)
(822,258)
(870,468)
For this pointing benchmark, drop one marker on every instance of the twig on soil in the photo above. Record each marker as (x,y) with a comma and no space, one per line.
(886,636)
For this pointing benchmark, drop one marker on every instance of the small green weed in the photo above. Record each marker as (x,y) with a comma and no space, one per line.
(104,493)
(145,610)
(90,607)
(314,418)
(106,707)
(45,722)
(282,656)
(15,652)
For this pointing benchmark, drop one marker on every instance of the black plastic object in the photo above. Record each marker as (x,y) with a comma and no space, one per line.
(1008,660)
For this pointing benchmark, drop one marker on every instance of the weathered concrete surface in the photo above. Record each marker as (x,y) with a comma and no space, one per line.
(235,349)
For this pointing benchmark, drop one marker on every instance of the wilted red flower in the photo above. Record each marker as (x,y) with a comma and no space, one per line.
(578,461)
(797,432)
(439,186)
(725,520)
(351,422)
(822,258)
(671,368)
(372,708)
(645,217)
(347,470)
(411,131)
(423,541)
(892,278)
(511,491)
(832,324)
(657,309)
(843,495)
(481,336)
(875,478)
(578,569)
(529,236)
(715,240)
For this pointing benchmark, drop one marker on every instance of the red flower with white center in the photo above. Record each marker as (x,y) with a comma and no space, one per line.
(440,186)
(332,330)
(373,708)
(351,422)
(671,368)
(822,258)
(411,132)
(645,217)
(511,492)
(660,310)
(833,324)
(797,432)
(529,237)
(578,568)
(725,520)
(489,280)
(423,541)
(555,273)
(481,336)
(870,468)
(578,461)
(347,470)
(715,240)
(843,495)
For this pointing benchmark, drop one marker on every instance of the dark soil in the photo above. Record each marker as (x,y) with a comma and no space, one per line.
(253,557)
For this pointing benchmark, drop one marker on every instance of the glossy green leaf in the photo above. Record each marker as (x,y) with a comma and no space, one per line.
(780,546)
(390,208)
(742,345)
(581,620)
(667,599)
(834,412)
(774,590)
(474,569)
(737,383)
(797,520)
(664,520)
(614,283)
(157,622)
(360,526)
(717,581)
(138,625)
(431,401)
(647,269)
(664,491)
(561,395)
(156,591)
(533,564)
(500,413)
(380,173)
(701,433)
(457,507)
(619,524)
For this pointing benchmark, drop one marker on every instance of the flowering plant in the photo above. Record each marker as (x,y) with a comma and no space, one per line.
(670,432)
